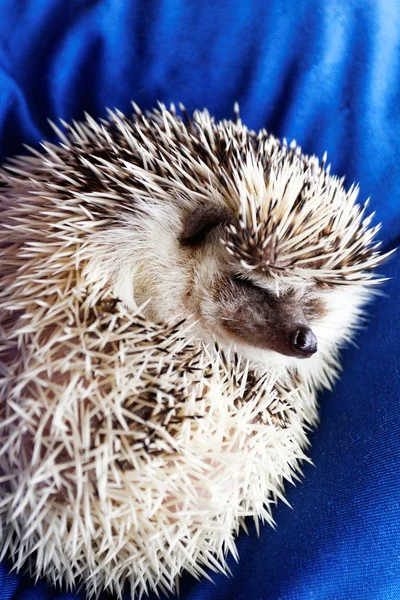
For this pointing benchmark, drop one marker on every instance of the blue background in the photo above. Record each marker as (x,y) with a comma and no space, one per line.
(325,72)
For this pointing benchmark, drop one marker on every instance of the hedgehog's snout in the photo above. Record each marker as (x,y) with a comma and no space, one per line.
(303,342)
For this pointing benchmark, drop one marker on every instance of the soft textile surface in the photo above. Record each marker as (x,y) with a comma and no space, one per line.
(325,72)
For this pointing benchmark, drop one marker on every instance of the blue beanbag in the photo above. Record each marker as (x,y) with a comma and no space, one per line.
(325,72)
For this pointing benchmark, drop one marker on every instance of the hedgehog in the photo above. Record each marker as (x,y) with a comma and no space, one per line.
(174,293)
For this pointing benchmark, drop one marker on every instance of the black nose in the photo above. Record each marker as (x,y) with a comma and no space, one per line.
(304,342)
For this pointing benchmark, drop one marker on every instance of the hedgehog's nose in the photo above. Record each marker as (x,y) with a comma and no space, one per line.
(304,342)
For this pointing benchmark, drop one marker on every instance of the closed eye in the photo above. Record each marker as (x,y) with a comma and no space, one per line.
(243,280)
(249,284)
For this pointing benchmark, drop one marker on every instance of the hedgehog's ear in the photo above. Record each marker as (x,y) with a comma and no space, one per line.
(201,221)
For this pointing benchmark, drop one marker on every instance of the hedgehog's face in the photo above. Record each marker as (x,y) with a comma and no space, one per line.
(251,309)
(263,313)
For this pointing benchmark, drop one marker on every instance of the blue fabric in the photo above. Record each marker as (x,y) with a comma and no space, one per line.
(325,72)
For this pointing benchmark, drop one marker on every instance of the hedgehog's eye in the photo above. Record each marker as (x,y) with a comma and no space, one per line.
(253,287)
(246,282)
(243,280)
(201,222)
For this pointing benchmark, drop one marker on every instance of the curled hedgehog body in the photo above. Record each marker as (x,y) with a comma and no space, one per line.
(173,292)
